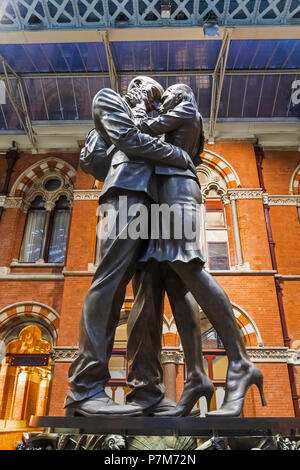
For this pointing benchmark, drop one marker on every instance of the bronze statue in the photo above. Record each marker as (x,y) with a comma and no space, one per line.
(146,170)
(130,174)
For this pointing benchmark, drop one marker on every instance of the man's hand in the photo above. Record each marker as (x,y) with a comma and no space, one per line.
(192,168)
(136,98)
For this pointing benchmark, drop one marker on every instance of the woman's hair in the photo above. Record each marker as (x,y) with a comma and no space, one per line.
(184,92)
(137,82)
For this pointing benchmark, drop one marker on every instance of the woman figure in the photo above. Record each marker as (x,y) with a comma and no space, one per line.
(181,123)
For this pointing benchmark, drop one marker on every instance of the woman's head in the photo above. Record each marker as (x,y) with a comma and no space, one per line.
(176,94)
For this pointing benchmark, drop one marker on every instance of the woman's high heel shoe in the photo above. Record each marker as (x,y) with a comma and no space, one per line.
(194,389)
(236,390)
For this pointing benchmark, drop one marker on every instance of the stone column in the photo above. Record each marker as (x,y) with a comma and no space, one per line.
(43,395)
(170,359)
(170,380)
(202,229)
(18,402)
(3,391)
(236,230)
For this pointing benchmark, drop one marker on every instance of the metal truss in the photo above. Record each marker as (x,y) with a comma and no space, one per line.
(104,14)
(154,73)
(114,80)
(17,99)
(217,84)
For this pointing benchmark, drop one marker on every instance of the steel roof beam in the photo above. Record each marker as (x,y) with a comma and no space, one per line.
(113,75)
(20,108)
(148,34)
(217,85)
(78,14)
(157,73)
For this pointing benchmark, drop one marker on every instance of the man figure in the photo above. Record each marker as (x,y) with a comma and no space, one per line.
(131,174)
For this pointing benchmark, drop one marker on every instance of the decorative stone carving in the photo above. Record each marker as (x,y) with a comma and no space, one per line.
(13,203)
(87,195)
(172,355)
(245,193)
(176,356)
(265,198)
(294,357)
(4,270)
(268,354)
(281,200)
(284,200)
(64,353)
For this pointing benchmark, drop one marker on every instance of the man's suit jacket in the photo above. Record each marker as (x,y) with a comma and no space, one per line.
(132,166)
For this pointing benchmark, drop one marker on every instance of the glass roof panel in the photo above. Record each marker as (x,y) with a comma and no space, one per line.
(47,58)
(261,54)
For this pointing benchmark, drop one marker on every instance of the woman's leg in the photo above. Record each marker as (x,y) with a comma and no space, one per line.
(215,304)
(213,300)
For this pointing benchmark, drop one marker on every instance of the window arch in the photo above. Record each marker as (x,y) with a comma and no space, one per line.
(214,236)
(25,375)
(45,236)
(295,182)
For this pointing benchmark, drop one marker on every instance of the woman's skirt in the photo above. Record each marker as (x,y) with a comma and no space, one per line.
(175,221)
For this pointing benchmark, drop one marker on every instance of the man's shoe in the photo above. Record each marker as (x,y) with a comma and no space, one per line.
(102,406)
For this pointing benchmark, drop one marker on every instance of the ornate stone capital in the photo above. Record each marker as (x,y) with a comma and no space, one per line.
(14,203)
(294,357)
(172,355)
(265,198)
(225,199)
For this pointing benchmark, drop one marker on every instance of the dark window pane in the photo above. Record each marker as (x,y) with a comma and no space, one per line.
(52,185)
(218,256)
(31,250)
(59,236)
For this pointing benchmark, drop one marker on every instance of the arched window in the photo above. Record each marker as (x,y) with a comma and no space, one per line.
(58,231)
(47,224)
(216,233)
(32,245)
(25,375)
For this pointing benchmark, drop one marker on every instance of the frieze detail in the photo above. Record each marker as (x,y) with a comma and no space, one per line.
(260,354)
(89,195)
(245,194)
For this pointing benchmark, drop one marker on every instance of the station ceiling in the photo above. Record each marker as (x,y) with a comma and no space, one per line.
(255,78)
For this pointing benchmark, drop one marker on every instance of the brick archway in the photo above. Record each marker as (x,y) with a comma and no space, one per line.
(248,328)
(226,171)
(38,170)
(295,182)
(27,311)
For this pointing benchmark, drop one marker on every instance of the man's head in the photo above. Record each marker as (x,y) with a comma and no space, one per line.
(152,90)
(175,94)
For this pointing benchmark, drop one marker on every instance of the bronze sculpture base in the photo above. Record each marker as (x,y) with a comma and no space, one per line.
(162,434)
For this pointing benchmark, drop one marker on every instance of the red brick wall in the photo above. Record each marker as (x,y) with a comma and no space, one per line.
(278,167)
(253,293)
(277,393)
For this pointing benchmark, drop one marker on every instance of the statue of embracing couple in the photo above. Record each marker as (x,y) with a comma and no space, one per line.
(140,171)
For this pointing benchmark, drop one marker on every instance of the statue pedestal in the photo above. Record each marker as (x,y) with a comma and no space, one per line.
(154,426)
(164,434)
